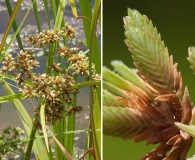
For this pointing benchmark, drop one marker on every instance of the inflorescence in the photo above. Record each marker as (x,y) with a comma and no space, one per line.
(57,89)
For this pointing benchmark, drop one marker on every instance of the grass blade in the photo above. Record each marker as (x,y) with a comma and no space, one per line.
(15,11)
(96,125)
(52,2)
(60,14)
(10,98)
(43,125)
(47,12)
(14,25)
(18,29)
(35,9)
(69,157)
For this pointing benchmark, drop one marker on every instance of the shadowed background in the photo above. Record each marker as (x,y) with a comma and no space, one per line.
(175,21)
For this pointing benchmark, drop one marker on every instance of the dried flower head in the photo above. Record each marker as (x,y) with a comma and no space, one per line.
(145,105)
(66,52)
(21,66)
(74,110)
(55,91)
(69,31)
(45,37)
(80,63)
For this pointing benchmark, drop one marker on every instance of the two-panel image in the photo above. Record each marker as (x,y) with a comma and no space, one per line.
(97,80)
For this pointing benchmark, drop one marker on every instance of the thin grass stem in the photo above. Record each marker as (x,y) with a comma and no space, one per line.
(30,143)
(14,25)
(36,12)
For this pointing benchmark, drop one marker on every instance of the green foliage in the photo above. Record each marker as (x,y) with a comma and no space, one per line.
(10,140)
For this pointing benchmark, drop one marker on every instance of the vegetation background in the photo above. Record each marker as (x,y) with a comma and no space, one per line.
(175,21)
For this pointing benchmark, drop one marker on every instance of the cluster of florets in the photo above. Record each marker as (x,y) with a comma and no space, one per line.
(69,31)
(51,88)
(74,110)
(21,66)
(66,52)
(79,63)
(10,140)
(55,90)
(51,36)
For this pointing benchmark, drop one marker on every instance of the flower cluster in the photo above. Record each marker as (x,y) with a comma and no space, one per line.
(21,66)
(45,37)
(79,63)
(55,90)
(66,52)
(10,139)
(51,88)
(8,64)
(69,31)
(51,36)
(74,110)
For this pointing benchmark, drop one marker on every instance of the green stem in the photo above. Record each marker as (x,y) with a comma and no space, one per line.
(71,127)
(52,2)
(50,59)
(35,9)
(87,84)
(47,12)
(30,143)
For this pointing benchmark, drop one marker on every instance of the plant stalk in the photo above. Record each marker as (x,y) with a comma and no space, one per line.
(30,143)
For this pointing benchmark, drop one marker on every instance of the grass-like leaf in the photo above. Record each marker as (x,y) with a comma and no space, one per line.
(10,98)
(150,54)
(43,125)
(9,8)
(12,18)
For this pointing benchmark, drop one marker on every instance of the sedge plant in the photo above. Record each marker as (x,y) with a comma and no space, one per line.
(149,103)
(67,70)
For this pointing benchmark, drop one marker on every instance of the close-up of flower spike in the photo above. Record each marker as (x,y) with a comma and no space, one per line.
(146,104)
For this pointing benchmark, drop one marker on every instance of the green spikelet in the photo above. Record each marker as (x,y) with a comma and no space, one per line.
(150,54)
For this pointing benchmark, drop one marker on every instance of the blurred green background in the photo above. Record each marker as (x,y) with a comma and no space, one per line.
(175,20)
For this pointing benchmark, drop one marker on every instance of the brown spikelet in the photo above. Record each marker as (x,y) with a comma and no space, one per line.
(74,110)
(140,112)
